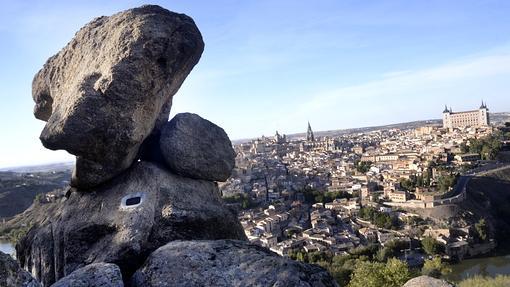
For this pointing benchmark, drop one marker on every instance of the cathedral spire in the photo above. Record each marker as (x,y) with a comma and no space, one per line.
(309,134)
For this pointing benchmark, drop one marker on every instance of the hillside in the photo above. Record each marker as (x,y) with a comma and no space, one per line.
(59,166)
(489,197)
(18,189)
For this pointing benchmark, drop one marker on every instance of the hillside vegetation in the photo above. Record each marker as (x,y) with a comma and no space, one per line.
(489,197)
(477,281)
(36,214)
(18,190)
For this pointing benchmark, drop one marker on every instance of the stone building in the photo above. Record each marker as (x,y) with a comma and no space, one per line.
(398,195)
(280,139)
(474,118)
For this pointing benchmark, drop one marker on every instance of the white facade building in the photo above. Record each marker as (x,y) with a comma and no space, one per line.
(476,118)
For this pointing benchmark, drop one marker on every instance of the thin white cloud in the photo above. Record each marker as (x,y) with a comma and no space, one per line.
(409,95)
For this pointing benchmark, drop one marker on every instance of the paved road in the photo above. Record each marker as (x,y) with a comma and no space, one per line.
(461,185)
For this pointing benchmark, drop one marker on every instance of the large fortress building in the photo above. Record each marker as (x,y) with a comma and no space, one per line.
(475,118)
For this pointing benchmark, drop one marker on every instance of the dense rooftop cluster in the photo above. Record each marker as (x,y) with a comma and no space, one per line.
(332,194)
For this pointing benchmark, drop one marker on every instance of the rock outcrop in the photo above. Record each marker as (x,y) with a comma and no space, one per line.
(125,220)
(93,275)
(11,274)
(427,281)
(194,147)
(225,263)
(112,86)
(142,187)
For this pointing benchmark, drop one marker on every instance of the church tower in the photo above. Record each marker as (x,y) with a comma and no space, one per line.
(446,118)
(309,134)
(483,115)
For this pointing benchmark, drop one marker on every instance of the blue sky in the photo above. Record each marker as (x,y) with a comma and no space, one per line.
(274,65)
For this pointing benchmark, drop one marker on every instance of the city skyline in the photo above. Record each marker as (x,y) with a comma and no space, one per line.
(304,134)
(269,66)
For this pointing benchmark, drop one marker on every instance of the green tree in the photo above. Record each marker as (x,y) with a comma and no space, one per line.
(363,166)
(380,219)
(383,254)
(427,177)
(315,257)
(314,196)
(16,234)
(430,245)
(367,213)
(319,198)
(464,148)
(392,248)
(396,272)
(374,274)
(487,147)
(481,229)
(445,182)
(243,199)
(367,274)
(39,198)
(369,251)
(342,275)
(435,267)
(298,256)
(420,180)
(408,184)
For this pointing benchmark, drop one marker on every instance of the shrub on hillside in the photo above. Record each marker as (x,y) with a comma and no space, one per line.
(498,281)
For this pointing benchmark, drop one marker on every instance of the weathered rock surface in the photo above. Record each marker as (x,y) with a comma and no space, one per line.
(112,85)
(123,221)
(194,147)
(426,281)
(11,275)
(225,263)
(93,275)
(106,98)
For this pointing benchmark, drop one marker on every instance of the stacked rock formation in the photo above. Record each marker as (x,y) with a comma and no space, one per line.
(143,207)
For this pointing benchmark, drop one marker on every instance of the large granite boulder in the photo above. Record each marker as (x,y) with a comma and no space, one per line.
(11,274)
(225,263)
(123,221)
(93,275)
(112,85)
(427,281)
(194,147)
